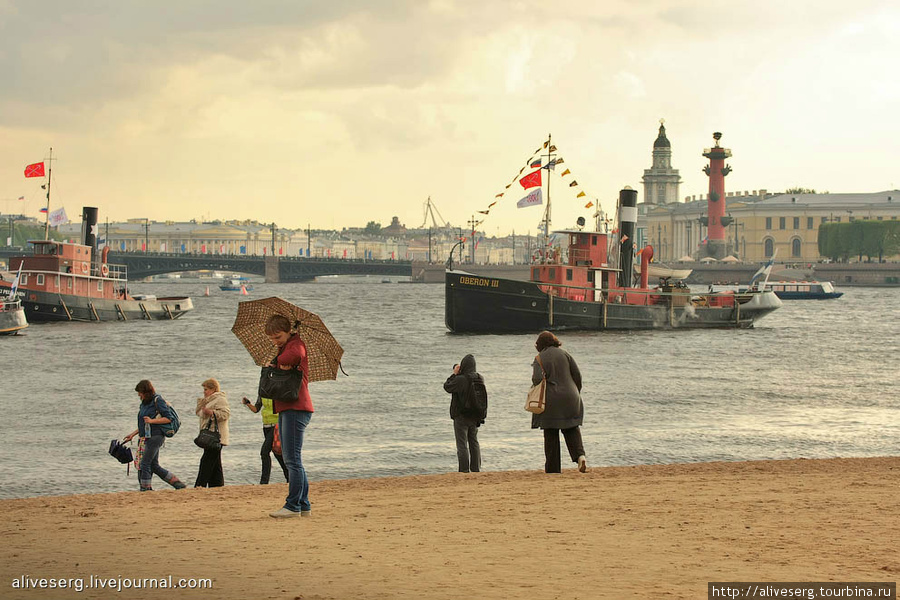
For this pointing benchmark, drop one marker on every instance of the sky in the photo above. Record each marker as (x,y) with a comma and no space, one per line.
(334,114)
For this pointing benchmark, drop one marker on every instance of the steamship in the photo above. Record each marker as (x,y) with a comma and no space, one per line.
(64,281)
(589,283)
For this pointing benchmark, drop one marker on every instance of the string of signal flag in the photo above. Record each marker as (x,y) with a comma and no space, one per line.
(533,180)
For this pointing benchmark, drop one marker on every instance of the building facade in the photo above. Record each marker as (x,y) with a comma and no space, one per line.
(661,182)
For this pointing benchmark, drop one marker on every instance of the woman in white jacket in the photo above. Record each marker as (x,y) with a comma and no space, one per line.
(212,407)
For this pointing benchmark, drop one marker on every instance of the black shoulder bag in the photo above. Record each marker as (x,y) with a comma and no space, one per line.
(280,384)
(209,439)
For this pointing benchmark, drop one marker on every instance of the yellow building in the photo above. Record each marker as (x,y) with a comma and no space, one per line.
(762,223)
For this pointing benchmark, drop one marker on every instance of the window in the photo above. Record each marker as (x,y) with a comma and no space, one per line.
(837,220)
(770,247)
(593,240)
(795,249)
(824,220)
(69,282)
(24,280)
(796,222)
(809,222)
(768,222)
(782,222)
(590,277)
(568,274)
(551,274)
(100,286)
(535,274)
(40,279)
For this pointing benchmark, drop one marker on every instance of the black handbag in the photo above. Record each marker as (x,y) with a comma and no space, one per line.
(209,439)
(280,384)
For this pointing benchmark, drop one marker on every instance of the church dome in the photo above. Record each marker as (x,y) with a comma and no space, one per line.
(661,140)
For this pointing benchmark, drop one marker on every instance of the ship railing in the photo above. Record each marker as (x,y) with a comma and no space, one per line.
(638,296)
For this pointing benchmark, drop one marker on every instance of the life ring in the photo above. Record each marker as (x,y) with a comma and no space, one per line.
(84,268)
(104,270)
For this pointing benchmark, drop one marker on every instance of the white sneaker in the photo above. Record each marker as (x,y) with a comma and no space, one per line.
(284,513)
(582,464)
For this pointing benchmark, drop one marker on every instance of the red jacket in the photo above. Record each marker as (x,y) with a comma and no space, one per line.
(293,353)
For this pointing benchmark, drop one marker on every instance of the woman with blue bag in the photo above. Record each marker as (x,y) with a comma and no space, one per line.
(151,421)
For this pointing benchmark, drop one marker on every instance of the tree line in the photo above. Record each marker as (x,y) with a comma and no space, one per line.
(872,239)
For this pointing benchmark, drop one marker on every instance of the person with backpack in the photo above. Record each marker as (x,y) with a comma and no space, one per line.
(468,409)
(214,413)
(564,410)
(156,421)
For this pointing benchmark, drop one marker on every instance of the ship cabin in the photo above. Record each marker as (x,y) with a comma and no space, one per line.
(67,268)
(576,279)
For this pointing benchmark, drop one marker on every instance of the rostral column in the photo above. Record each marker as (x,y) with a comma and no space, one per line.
(716,221)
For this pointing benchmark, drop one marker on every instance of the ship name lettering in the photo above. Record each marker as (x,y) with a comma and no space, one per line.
(479,281)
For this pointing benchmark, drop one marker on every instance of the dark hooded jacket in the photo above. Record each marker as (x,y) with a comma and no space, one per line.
(460,386)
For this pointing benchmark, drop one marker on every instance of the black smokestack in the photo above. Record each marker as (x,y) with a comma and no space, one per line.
(627,221)
(89,228)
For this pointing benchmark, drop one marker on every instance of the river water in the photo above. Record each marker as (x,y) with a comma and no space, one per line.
(814,379)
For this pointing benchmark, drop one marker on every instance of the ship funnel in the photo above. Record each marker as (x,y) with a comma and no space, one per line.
(627,222)
(89,228)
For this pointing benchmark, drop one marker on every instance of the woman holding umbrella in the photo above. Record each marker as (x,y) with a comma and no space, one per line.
(293,416)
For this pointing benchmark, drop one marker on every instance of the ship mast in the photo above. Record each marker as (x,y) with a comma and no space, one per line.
(547,166)
(47,214)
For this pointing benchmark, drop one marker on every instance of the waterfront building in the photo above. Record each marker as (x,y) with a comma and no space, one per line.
(661,182)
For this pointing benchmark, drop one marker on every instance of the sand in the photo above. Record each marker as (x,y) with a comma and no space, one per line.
(625,532)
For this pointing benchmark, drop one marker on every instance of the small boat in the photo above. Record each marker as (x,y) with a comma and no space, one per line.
(12,317)
(793,290)
(64,281)
(589,284)
(236,285)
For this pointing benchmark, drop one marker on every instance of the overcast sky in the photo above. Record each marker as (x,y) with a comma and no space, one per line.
(342,112)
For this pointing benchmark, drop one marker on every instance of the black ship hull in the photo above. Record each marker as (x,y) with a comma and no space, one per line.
(48,307)
(476,304)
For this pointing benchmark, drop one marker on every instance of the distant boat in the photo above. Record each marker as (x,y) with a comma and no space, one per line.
(235,285)
(792,290)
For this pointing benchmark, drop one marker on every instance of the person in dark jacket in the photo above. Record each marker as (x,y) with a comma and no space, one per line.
(150,419)
(465,423)
(565,410)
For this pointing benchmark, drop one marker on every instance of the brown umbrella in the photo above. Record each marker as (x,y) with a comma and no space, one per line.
(250,327)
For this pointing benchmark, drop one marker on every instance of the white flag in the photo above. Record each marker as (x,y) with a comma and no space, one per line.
(58,217)
(533,199)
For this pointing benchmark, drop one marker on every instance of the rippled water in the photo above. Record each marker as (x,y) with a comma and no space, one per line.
(814,379)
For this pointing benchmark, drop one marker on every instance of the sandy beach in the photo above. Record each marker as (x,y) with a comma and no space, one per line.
(624,532)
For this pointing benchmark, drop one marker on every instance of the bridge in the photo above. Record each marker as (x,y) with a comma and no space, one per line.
(274,269)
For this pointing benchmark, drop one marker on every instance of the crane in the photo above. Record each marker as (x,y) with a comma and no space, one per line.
(430,209)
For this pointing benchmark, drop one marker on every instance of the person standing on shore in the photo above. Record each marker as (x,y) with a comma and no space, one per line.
(293,416)
(151,417)
(564,410)
(212,407)
(270,419)
(465,419)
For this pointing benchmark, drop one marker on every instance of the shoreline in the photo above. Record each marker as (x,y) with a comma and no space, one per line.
(614,532)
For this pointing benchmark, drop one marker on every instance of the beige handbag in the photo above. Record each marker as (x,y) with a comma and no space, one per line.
(537,395)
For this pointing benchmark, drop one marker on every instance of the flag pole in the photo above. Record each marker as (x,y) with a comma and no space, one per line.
(547,213)
(47,214)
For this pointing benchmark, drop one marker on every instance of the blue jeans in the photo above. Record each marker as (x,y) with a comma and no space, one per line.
(291,425)
(150,462)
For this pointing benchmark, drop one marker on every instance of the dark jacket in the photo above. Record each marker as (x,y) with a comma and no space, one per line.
(460,387)
(564,407)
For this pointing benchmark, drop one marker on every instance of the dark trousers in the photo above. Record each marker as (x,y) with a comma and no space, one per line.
(468,451)
(210,473)
(264,453)
(551,447)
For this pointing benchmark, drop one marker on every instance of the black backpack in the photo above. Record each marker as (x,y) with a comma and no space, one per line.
(476,403)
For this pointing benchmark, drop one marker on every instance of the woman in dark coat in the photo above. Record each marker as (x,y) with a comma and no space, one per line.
(564,410)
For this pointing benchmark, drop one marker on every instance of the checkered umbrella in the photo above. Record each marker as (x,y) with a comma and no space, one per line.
(249,326)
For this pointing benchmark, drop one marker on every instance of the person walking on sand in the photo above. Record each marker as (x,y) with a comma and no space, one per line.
(293,416)
(151,416)
(564,410)
(213,411)
(270,419)
(466,419)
